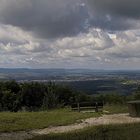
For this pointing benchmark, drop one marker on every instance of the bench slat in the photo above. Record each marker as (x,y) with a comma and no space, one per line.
(85,105)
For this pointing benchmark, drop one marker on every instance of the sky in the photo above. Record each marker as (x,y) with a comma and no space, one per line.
(92,34)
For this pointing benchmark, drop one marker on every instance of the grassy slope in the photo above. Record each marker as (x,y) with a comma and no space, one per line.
(111,132)
(34,120)
(115,109)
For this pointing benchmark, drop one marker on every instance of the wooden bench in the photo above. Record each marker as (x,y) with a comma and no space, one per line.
(87,106)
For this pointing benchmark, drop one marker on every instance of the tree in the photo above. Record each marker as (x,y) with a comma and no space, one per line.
(12,86)
(50,99)
(9,101)
(32,95)
(136,95)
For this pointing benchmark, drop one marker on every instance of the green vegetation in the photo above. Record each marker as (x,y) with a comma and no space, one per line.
(111,132)
(40,105)
(35,120)
(47,98)
(36,96)
(115,109)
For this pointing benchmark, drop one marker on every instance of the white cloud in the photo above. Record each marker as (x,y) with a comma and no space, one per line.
(94,49)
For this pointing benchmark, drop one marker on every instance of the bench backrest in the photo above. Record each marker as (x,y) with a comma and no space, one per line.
(87,104)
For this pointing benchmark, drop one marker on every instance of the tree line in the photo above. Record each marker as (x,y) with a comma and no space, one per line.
(34,96)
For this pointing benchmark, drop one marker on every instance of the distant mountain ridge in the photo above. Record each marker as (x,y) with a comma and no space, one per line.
(64,74)
(87,80)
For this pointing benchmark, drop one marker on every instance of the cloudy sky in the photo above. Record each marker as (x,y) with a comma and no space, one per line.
(95,34)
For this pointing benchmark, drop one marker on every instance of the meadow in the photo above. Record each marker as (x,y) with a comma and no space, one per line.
(26,121)
(35,120)
(110,132)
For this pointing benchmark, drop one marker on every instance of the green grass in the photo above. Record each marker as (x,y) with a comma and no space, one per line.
(35,120)
(115,109)
(110,132)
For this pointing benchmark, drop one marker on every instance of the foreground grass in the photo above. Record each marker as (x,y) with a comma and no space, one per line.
(35,120)
(115,109)
(111,132)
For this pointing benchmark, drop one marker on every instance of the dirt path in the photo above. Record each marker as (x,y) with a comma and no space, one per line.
(104,120)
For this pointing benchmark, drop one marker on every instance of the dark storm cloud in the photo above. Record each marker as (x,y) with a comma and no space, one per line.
(47,18)
(62,18)
(112,24)
(126,8)
(114,14)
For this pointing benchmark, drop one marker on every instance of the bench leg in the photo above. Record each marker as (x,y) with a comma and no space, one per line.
(96,109)
(78,105)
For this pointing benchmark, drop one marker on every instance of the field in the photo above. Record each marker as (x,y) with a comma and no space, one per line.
(111,132)
(115,109)
(85,80)
(27,121)
(35,120)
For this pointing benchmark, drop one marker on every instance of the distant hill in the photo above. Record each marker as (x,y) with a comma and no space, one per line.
(65,74)
(90,81)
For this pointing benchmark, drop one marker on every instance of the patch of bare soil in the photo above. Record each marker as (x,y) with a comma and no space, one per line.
(104,120)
